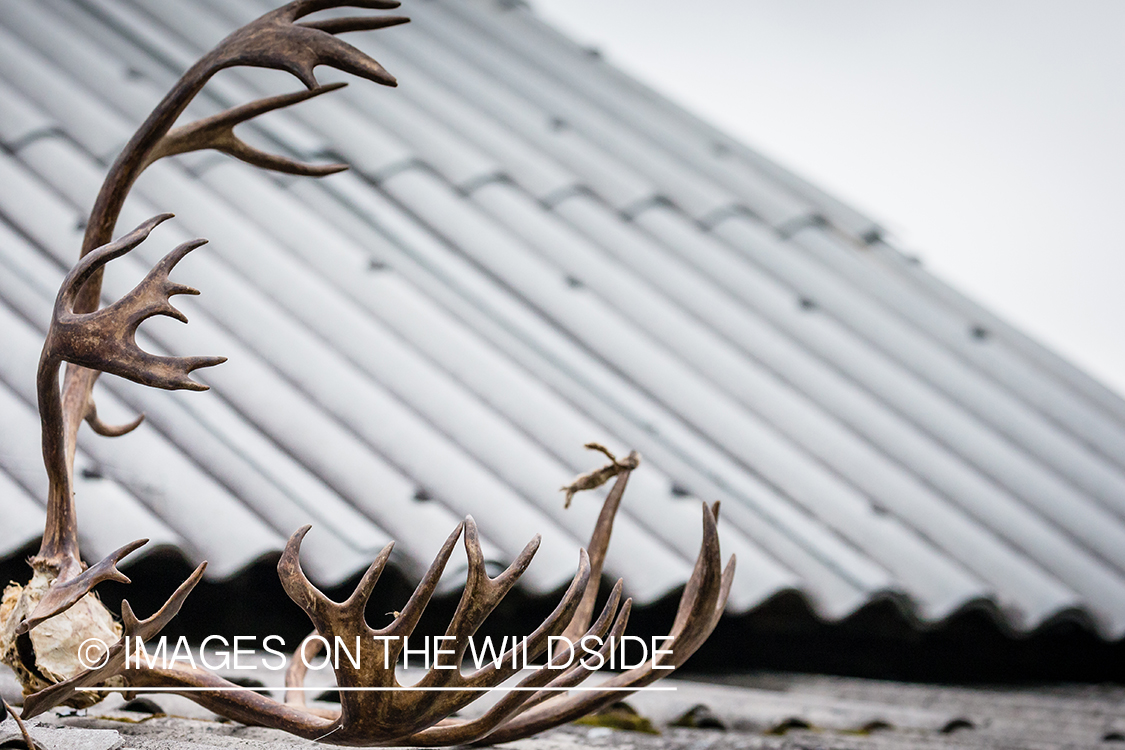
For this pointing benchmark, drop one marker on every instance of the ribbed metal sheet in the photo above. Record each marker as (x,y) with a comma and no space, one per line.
(533,251)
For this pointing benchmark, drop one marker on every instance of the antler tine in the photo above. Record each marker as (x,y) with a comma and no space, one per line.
(93,261)
(325,613)
(217,132)
(301,8)
(513,572)
(406,620)
(65,594)
(319,608)
(276,41)
(109,430)
(115,659)
(356,23)
(706,569)
(356,604)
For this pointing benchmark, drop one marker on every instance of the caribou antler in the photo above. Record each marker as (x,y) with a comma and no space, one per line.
(217,132)
(374,707)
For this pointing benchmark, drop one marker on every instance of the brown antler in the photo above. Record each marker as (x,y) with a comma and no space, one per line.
(382,717)
(702,603)
(217,132)
(375,708)
(105,340)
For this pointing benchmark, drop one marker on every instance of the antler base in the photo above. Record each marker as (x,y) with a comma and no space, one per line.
(51,652)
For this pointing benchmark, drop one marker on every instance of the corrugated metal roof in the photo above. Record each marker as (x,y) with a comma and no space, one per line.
(532,251)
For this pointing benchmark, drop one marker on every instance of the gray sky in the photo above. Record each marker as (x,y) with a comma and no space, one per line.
(987,135)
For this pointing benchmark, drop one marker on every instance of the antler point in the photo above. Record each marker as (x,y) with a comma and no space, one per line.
(127,614)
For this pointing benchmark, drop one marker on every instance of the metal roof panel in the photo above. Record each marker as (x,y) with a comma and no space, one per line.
(512,30)
(85,118)
(520,334)
(509,277)
(969,340)
(983,396)
(674,128)
(19,120)
(23,517)
(621,188)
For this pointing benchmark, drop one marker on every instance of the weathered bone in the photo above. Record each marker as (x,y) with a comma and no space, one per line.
(64,594)
(133,630)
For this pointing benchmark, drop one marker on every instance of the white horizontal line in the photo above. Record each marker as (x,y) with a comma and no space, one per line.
(514,689)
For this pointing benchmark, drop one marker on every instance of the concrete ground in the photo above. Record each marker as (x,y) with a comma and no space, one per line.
(750,711)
